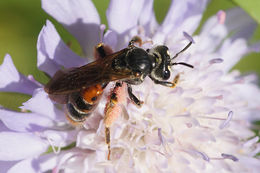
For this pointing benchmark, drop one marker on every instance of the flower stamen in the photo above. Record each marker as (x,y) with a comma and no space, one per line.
(226,122)
(188,37)
(165,145)
(221,17)
(203,155)
(55,149)
(102,30)
(216,60)
(31,78)
(229,156)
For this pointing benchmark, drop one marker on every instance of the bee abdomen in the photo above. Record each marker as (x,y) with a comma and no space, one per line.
(82,104)
(75,115)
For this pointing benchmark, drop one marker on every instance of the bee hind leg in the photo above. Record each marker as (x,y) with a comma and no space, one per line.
(107,138)
(113,110)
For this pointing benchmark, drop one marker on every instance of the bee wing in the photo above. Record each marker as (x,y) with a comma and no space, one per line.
(76,79)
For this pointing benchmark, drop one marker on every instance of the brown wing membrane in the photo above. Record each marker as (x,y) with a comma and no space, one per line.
(75,79)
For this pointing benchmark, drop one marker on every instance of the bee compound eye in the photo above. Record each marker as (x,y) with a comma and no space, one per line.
(166,74)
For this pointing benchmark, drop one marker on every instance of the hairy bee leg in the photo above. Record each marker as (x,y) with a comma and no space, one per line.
(133,97)
(168,84)
(134,40)
(101,50)
(113,110)
(109,108)
(138,40)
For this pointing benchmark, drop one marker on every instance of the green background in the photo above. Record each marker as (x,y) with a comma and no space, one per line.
(22,20)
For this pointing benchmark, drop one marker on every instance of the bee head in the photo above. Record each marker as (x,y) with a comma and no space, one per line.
(161,62)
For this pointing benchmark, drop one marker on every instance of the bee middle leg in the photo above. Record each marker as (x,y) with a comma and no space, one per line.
(172,84)
(133,97)
(138,40)
(135,40)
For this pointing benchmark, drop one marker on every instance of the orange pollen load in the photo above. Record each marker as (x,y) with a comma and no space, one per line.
(91,94)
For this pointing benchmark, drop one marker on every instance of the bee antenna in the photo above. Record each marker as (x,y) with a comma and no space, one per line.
(185,48)
(182,63)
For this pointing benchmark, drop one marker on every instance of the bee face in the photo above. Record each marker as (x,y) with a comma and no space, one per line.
(161,69)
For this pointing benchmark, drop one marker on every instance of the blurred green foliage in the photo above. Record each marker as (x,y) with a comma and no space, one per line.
(21,22)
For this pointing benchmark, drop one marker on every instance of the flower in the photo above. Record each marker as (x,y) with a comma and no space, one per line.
(202,125)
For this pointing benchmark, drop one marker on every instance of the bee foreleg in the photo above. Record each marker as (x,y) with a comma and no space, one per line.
(172,84)
(133,97)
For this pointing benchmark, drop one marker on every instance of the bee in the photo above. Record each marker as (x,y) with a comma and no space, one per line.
(80,88)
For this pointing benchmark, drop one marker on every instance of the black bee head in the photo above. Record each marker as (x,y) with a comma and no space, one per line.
(161,62)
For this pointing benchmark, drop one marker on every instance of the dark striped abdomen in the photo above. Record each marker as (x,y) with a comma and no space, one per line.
(82,104)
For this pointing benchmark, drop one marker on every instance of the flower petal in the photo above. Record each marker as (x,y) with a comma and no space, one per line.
(41,104)
(118,11)
(232,52)
(110,38)
(53,52)
(24,165)
(242,28)
(16,146)
(3,127)
(79,17)
(43,164)
(181,11)
(185,15)
(12,81)
(147,18)
(6,165)
(211,35)
(214,32)
(24,122)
